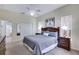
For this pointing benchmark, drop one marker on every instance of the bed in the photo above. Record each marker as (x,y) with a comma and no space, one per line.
(41,44)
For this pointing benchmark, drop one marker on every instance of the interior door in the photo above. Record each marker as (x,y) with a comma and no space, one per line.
(26,29)
(8,29)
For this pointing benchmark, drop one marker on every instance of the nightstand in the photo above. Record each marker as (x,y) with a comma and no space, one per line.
(64,43)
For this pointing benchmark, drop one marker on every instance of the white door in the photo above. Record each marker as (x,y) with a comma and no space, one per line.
(26,29)
(8,29)
(8,32)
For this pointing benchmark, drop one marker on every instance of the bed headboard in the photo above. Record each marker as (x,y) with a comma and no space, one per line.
(51,29)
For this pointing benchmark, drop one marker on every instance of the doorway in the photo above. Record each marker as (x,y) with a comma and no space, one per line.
(8,28)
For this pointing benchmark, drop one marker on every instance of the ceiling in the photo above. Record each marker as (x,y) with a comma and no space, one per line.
(31,9)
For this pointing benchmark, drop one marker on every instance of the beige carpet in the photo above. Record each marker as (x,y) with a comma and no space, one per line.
(18,48)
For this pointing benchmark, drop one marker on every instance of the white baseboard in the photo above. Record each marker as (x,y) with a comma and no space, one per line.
(75,49)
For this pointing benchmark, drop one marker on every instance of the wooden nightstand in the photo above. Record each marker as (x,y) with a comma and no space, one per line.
(64,43)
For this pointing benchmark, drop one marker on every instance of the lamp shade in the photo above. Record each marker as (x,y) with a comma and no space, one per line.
(64,27)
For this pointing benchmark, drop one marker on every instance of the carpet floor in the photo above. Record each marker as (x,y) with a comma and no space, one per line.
(18,48)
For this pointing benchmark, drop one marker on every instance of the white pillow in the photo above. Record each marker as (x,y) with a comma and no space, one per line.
(46,34)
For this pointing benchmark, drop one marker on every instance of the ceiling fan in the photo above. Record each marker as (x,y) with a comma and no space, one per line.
(32,12)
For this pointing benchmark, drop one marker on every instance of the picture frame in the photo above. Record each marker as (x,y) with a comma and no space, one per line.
(50,22)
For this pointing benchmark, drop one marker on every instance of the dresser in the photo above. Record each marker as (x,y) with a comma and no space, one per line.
(2,45)
(64,43)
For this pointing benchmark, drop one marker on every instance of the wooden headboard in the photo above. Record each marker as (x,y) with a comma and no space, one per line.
(50,29)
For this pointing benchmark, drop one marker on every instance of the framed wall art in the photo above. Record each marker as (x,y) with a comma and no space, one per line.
(50,22)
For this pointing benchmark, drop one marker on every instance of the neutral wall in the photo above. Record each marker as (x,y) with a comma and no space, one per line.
(63,11)
(16,18)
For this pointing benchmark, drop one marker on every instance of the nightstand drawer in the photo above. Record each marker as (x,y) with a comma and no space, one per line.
(63,43)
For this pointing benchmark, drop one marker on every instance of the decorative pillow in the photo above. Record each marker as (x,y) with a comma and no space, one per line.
(45,33)
(53,34)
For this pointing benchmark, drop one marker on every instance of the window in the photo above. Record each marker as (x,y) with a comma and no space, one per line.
(66,26)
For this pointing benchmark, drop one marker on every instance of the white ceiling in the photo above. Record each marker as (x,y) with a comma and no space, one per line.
(37,9)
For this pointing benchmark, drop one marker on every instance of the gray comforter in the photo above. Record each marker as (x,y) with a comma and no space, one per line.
(39,42)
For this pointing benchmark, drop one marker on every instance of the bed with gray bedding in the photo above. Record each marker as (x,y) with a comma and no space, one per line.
(39,42)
